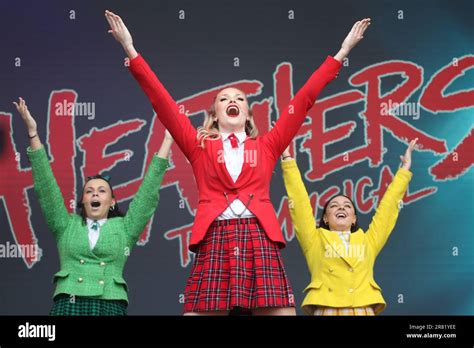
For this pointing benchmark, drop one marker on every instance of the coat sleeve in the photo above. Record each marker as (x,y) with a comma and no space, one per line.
(48,192)
(166,109)
(386,213)
(291,119)
(145,201)
(302,215)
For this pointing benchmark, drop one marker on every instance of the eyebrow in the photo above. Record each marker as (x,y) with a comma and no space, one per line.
(345,202)
(227,95)
(91,187)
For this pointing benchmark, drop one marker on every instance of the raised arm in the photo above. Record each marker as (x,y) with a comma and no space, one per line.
(386,213)
(293,116)
(164,105)
(144,204)
(47,190)
(302,214)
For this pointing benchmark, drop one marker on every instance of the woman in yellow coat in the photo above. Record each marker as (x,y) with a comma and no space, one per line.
(339,254)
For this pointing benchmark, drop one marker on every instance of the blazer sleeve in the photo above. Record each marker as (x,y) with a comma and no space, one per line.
(291,119)
(166,109)
(145,201)
(302,215)
(386,213)
(48,192)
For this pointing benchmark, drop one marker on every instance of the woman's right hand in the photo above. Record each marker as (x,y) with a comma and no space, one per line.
(286,156)
(353,38)
(120,32)
(26,116)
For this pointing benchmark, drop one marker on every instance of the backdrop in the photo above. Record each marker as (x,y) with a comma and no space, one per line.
(410,77)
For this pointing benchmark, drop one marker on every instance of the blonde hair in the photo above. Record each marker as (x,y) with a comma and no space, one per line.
(210,128)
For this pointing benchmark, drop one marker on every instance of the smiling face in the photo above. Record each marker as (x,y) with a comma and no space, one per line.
(340,214)
(231,110)
(97,199)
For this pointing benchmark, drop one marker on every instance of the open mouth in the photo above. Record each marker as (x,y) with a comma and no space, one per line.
(341,215)
(232,111)
(95,204)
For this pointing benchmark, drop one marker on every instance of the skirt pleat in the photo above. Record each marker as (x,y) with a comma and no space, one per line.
(237,265)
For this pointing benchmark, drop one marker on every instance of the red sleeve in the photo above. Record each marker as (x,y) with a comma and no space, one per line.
(294,115)
(165,107)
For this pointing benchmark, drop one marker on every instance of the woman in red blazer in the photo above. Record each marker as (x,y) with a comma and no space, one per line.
(236,235)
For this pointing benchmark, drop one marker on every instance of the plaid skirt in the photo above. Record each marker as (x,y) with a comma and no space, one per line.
(237,265)
(66,305)
(357,311)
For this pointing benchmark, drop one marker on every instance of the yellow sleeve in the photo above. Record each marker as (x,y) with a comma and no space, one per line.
(302,215)
(386,213)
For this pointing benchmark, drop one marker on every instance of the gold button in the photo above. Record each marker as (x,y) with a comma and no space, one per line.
(329,289)
(82,262)
(351,270)
(101,282)
(351,290)
(331,270)
(102,263)
(80,280)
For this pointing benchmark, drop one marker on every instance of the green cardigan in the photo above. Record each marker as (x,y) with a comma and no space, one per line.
(95,273)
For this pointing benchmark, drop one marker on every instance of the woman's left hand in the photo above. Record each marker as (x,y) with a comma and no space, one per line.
(168,136)
(406,159)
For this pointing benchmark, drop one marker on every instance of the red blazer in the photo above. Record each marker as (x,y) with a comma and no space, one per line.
(213,180)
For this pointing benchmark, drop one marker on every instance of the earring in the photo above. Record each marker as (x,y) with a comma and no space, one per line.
(112,208)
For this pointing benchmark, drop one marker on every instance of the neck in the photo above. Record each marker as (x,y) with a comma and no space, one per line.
(340,228)
(97,218)
(232,130)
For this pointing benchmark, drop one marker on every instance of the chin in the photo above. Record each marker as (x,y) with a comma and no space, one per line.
(96,215)
(343,228)
(236,124)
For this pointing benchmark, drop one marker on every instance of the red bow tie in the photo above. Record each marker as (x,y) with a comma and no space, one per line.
(233,141)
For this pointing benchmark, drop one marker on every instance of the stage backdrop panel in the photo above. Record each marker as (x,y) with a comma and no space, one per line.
(410,77)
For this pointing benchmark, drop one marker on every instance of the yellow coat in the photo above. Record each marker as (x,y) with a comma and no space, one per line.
(339,278)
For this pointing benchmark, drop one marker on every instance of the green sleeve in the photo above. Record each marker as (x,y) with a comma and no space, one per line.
(144,204)
(48,193)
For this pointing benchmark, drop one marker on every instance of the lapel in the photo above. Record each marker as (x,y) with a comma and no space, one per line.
(218,156)
(249,155)
(86,241)
(356,245)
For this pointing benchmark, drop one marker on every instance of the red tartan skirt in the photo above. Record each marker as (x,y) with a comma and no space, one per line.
(237,265)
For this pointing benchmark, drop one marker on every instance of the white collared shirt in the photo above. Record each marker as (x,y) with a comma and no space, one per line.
(234,161)
(94,234)
(345,238)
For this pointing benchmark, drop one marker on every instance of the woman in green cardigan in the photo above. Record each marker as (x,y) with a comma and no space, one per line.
(93,246)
